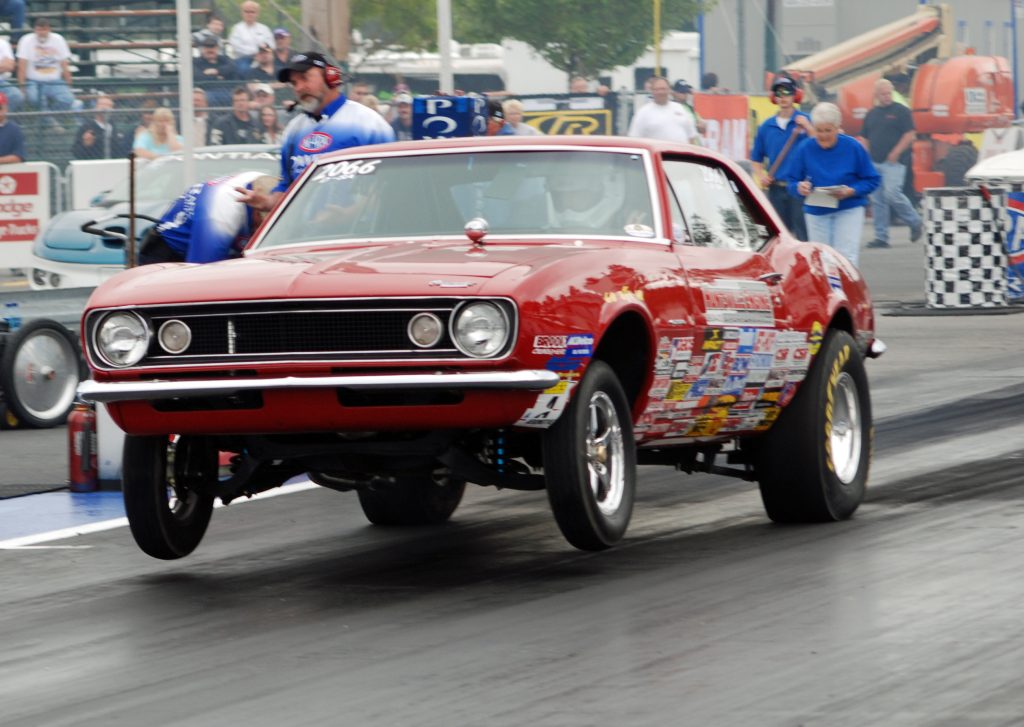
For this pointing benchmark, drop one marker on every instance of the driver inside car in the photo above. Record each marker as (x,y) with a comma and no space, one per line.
(581,202)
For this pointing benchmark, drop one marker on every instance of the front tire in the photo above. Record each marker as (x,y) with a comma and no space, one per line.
(167,500)
(412,501)
(590,462)
(813,464)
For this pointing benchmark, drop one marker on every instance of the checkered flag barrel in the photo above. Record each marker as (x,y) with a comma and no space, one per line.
(966,263)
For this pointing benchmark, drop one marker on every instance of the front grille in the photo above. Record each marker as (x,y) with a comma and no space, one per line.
(314,330)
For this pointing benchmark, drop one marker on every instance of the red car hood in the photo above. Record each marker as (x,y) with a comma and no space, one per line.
(406,268)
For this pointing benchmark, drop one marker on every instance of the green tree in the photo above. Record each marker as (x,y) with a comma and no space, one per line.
(581,37)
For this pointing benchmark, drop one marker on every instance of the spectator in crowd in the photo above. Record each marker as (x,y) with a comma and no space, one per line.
(209,222)
(682,93)
(271,130)
(8,66)
(248,35)
(497,124)
(709,83)
(145,117)
(14,11)
(357,90)
(514,116)
(214,28)
(402,123)
(663,118)
(282,48)
(44,70)
(201,116)
(12,140)
(370,101)
(777,138)
(212,72)
(328,118)
(262,67)
(238,126)
(160,139)
(99,137)
(834,175)
(889,131)
(263,95)
(579,84)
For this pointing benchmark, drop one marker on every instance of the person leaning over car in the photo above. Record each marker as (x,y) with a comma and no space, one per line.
(834,175)
(329,123)
(209,222)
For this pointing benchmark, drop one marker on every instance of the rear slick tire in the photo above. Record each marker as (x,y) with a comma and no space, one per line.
(813,463)
(167,517)
(590,462)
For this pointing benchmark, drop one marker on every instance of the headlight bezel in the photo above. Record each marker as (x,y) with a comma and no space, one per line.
(160,336)
(506,319)
(98,347)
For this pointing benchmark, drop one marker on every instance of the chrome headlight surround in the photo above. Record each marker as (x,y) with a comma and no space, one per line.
(480,328)
(121,338)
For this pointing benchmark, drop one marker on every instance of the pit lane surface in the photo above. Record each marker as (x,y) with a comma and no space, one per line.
(294,611)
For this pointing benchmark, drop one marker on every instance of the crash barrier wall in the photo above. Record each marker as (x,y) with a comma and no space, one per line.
(965,260)
(85,179)
(28,193)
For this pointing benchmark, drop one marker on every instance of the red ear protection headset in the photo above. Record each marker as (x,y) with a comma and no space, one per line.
(333,76)
(798,93)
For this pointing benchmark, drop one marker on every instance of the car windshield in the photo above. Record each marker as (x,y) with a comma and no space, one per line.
(536,192)
(163,178)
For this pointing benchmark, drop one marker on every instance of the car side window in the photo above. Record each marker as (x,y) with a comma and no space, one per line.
(715,213)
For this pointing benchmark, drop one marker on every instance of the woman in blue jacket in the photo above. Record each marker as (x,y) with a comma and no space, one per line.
(834,174)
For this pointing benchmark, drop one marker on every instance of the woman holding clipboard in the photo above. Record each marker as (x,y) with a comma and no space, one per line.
(834,175)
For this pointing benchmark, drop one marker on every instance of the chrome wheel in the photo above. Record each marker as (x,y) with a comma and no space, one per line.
(46,374)
(845,439)
(604,450)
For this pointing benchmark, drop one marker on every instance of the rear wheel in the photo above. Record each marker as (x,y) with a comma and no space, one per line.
(166,492)
(813,464)
(590,462)
(39,373)
(419,500)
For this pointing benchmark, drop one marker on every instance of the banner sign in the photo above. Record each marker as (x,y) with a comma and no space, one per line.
(1015,247)
(446,117)
(24,209)
(728,123)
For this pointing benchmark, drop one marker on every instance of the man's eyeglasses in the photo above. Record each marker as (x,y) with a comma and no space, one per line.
(783,91)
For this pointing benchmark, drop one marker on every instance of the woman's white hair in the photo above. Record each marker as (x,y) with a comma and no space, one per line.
(826,113)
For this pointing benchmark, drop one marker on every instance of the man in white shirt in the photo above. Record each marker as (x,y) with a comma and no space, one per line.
(662,118)
(15,98)
(247,36)
(44,71)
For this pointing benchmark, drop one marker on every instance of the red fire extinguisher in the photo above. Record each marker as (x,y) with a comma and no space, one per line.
(82,449)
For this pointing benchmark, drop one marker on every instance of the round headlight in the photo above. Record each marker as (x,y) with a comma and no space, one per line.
(174,336)
(122,339)
(480,329)
(425,329)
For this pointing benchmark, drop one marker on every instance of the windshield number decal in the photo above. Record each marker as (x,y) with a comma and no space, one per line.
(346,170)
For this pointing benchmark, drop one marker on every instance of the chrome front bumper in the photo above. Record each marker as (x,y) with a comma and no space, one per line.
(536,380)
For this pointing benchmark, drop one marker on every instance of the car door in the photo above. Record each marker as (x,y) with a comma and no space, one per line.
(745,358)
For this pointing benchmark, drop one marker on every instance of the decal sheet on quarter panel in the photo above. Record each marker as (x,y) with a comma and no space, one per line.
(568,354)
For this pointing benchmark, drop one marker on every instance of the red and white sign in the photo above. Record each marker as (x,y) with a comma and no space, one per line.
(727,120)
(24,208)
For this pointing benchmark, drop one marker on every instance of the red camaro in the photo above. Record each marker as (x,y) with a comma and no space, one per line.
(529,313)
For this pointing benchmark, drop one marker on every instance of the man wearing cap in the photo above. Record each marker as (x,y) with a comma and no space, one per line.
(496,124)
(262,68)
(328,122)
(776,139)
(213,72)
(402,123)
(682,92)
(207,223)
(282,49)
(12,141)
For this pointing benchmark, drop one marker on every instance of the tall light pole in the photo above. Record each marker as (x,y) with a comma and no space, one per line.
(657,37)
(185,101)
(446,82)
(1016,6)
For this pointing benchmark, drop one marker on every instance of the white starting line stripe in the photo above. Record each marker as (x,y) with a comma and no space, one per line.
(31,541)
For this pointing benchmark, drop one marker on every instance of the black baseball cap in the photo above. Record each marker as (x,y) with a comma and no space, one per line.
(785,83)
(303,62)
(682,86)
